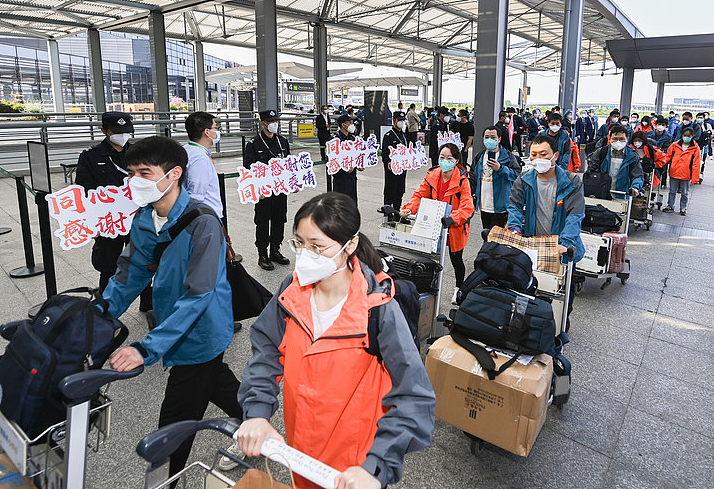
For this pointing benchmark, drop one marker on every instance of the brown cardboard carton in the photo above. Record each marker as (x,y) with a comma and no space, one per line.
(10,477)
(507,412)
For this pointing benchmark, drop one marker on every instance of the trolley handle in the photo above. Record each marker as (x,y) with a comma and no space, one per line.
(83,385)
(156,447)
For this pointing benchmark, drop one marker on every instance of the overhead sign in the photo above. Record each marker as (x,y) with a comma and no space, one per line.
(404,158)
(410,92)
(279,176)
(104,211)
(300,86)
(348,155)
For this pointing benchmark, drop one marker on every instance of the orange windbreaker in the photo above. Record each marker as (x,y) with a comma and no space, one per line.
(659,159)
(575,162)
(685,163)
(462,204)
(340,393)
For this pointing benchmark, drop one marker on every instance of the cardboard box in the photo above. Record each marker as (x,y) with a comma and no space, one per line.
(507,412)
(10,477)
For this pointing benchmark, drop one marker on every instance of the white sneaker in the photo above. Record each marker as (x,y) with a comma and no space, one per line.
(226,463)
(453,298)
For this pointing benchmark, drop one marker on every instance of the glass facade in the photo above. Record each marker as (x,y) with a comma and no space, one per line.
(126,63)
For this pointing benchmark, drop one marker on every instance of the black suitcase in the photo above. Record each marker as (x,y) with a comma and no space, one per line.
(421,270)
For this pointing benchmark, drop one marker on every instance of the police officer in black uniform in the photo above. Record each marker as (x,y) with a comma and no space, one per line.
(441,124)
(346,182)
(100,166)
(394,185)
(271,213)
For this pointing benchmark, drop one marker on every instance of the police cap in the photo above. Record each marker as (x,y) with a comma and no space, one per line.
(344,118)
(269,115)
(399,115)
(117,122)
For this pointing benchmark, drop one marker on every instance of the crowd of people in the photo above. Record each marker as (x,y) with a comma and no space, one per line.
(365,416)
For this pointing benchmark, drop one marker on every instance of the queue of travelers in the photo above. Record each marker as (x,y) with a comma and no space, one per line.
(338,275)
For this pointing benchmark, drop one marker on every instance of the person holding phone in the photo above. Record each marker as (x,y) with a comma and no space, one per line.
(495,169)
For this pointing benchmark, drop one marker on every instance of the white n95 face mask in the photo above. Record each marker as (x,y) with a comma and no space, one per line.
(541,165)
(554,128)
(217,138)
(145,192)
(618,145)
(311,268)
(351,129)
(273,127)
(402,125)
(120,139)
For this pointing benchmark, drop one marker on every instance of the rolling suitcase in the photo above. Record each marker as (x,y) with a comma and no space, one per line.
(618,251)
(421,270)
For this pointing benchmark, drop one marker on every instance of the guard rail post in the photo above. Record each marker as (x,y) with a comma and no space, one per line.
(30,269)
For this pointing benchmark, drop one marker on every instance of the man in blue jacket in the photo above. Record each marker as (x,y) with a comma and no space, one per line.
(494,178)
(192,297)
(561,139)
(548,200)
(620,161)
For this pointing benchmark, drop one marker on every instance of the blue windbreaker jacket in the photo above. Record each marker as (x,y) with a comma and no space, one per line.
(563,142)
(630,174)
(502,179)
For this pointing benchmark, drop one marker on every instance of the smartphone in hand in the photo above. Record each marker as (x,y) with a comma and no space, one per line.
(491,155)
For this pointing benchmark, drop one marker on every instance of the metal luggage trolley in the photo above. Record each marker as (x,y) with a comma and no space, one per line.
(622,207)
(57,457)
(395,236)
(644,217)
(156,448)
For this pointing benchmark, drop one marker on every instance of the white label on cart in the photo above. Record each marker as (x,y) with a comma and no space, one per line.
(408,240)
(533,255)
(12,443)
(304,465)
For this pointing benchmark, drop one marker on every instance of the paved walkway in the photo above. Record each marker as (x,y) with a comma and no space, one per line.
(642,403)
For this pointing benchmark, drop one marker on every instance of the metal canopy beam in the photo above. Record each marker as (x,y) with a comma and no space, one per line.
(491,49)
(659,98)
(199,69)
(96,74)
(690,51)
(159,68)
(55,75)
(319,59)
(406,16)
(266,50)
(683,76)
(628,80)
(570,65)
(437,79)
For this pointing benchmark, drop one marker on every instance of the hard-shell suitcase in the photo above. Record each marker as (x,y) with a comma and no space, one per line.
(421,270)
(618,251)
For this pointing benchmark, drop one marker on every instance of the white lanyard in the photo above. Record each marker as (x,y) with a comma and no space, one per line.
(277,140)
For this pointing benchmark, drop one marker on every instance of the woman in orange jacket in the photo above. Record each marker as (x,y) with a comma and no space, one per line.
(685,158)
(341,404)
(650,156)
(449,183)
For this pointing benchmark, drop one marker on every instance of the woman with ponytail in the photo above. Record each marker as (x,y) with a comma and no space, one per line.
(341,404)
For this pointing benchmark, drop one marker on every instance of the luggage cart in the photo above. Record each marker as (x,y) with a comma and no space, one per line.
(395,237)
(156,448)
(641,213)
(622,207)
(57,457)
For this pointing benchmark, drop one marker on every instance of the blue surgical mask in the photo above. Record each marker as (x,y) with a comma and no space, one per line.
(686,139)
(446,165)
(490,143)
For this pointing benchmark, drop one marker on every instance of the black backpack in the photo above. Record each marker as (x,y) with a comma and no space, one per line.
(500,265)
(598,219)
(69,334)
(597,184)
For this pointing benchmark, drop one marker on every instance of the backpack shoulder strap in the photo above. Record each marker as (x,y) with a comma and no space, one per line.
(373,332)
(176,229)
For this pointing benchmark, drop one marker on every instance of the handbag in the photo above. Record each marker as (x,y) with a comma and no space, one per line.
(546,246)
(249,295)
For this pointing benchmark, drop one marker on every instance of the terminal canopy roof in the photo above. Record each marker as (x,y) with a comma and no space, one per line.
(399,33)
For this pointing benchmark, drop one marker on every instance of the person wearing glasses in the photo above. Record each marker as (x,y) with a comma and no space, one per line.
(341,405)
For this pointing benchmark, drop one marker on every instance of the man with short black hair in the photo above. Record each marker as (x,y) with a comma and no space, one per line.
(394,185)
(620,161)
(271,213)
(343,181)
(465,129)
(201,176)
(561,139)
(191,292)
(413,124)
(440,124)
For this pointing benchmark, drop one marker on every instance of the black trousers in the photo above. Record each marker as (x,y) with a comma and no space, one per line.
(189,390)
(345,183)
(105,253)
(517,144)
(457,261)
(394,188)
(271,213)
(412,137)
(323,156)
(491,219)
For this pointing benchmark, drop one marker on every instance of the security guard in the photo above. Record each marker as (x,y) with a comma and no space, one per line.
(271,213)
(100,166)
(394,185)
(346,182)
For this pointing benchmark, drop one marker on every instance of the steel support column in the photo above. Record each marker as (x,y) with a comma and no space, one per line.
(628,80)
(492,33)
(570,64)
(159,68)
(55,75)
(266,47)
(319,59)
(659,99)
(437,74)
(199,68)
(96,74)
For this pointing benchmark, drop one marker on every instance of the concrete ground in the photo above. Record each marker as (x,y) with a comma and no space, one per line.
(642,403)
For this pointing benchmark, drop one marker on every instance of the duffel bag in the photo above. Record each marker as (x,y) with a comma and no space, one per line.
(502,318)
(69,334)
(599,219)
